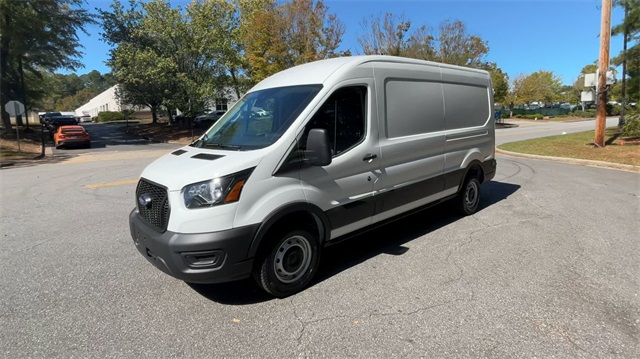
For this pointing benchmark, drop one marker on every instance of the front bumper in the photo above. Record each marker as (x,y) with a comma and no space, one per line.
(195,258)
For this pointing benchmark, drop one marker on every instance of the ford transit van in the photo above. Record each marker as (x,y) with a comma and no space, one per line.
(310,156)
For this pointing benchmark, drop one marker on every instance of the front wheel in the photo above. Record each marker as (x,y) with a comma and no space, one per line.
(468,200)
(289,264)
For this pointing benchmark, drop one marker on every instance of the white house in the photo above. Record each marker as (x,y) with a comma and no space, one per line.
(107,101)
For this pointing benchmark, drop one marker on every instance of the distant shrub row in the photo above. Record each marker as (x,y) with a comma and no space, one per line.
(529,116)
(110,116)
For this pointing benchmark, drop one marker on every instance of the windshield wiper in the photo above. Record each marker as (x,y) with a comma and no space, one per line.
(223,146)
(200,142)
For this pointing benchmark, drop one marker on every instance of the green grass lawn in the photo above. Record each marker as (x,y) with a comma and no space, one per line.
(580,145)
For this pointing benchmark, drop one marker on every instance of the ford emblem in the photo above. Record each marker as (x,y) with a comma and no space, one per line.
(145,200)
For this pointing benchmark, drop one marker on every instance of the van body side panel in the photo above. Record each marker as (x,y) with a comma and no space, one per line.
(265,195)
(412,141)
(469,123)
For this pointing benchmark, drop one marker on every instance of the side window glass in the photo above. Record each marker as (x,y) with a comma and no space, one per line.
(343,115)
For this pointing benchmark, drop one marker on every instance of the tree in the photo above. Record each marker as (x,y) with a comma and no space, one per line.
(199,59)
(37,36)
(142,77)
(630,28)
(390,35)
(499,79)
(457,47)
(539,86)
(385,35)
(279,36)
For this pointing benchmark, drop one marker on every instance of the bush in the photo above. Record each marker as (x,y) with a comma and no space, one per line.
(613,110)
(631,126)
(108,116)
(531,116)
(587,113)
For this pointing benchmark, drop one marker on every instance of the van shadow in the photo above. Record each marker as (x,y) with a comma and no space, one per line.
(388,239)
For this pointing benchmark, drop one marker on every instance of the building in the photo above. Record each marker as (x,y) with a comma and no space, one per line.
(107,101)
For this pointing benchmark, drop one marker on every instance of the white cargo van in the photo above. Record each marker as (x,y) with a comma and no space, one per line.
(312,155)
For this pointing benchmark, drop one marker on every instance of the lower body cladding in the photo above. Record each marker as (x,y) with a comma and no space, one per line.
(195,258)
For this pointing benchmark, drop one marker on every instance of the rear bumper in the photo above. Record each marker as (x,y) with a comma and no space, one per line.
(489,169)
(74,143)
(214,257)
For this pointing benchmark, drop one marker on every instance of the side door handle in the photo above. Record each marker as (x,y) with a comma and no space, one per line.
(369,157)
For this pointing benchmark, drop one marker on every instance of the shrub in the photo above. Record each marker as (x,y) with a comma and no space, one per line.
(587,113)
(613,110)
(108,116)
(530,116)
(631,126)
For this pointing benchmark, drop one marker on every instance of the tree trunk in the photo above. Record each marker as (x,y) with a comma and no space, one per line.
(170,120)
(235,82)
(154,114)
(5,42)
(23,92)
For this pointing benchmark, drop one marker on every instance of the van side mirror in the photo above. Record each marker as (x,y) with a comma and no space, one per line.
(318,152)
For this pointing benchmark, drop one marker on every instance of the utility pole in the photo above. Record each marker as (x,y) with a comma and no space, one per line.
(603,66)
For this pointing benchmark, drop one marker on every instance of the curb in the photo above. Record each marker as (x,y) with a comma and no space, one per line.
(575,161)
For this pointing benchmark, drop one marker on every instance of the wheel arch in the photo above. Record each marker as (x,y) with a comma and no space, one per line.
(473,169)
(304,215)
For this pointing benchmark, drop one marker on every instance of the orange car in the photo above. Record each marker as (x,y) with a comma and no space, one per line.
(68,136)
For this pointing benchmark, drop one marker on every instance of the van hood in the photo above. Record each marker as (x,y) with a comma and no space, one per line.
(189,165)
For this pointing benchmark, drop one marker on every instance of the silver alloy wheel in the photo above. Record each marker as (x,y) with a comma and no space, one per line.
(292,259)
(471,195)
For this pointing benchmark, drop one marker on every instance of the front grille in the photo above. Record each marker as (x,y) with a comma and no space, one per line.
(157,211)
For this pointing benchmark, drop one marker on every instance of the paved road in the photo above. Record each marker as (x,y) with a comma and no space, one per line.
(529,129)
(549,267)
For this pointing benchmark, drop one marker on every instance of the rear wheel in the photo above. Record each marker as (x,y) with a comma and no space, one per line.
(468,200)
(288,264)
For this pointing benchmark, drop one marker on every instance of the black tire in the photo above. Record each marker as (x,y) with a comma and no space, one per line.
(288,264)
(468,200)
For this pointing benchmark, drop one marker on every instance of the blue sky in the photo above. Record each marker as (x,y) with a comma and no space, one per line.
(524,36)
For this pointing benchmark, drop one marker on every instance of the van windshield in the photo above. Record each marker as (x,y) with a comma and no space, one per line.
(259,118)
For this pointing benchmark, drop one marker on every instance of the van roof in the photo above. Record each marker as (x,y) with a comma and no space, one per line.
(318,72)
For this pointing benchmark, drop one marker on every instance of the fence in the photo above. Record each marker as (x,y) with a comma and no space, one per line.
(31,119)
(544,111)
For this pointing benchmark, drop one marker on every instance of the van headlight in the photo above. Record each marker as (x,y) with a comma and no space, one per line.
(217,191)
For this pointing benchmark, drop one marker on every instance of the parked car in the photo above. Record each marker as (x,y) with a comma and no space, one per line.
(47,116)
(70,136)
(209,118)
(85,118)
(53,123)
